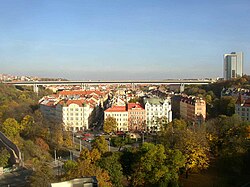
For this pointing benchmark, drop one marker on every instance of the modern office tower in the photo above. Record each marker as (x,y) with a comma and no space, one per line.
(233,65)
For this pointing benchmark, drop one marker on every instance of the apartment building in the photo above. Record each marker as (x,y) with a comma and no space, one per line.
(120,114)
(130,117)
(136,117)
(156,109)
(71,108)
(193,109)
(242,107)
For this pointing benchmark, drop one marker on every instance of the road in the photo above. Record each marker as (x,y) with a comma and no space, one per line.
(17,178)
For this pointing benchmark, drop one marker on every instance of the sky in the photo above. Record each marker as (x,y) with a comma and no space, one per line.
(122,39)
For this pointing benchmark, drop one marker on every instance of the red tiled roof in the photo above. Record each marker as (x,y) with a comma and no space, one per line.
(80,92)
(116,109)
(78,102)
(247,103)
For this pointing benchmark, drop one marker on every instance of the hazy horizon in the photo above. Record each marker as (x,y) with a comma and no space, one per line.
(114,39)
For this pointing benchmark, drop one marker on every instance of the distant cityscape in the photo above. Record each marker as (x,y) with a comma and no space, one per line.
(134,109)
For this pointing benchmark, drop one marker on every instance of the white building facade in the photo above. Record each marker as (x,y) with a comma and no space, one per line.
(71,108)
(157,108)
(121,116)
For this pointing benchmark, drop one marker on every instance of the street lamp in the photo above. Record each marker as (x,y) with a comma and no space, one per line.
(73,137)
(109,144)
(80,145)
(55,155)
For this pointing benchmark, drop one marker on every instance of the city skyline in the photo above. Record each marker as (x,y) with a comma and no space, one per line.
(122,39)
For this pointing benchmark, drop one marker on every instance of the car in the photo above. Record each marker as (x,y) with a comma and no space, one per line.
(78,136)
(98,134)
(87,134)
(85,138)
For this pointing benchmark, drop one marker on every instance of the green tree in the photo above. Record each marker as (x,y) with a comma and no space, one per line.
(229,144)
(87,166)
(110,162)
(27,125)
(57,135)
(69,165)
(100,144)
(155,165)
(10,128)
(225,105)
(67,139)
(119,142)
(42,176)
(110,125)
(4,157)
(191,142)
(195,147)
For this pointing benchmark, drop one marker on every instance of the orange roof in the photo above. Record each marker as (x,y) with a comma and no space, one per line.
(78,102)
(247,103)
(116,109)
(79,92)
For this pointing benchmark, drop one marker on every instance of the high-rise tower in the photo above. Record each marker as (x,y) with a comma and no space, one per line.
(233,65)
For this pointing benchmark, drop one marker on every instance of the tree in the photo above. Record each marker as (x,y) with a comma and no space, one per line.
(4,157)
(119,142)
(171,133)
(27,125)
(42,176)
(67,139)
(191,142)
(156,165)
(42,144)
(229,144)
(110,162)
(110,124)
(10,128)
(100,144)
(57,135)
(87,166)
(195,147)
(227,135)
(69,166)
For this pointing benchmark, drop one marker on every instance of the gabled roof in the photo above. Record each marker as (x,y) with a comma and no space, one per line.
(117,109)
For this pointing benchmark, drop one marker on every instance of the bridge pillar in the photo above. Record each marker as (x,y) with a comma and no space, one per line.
(35,88)
(84,87)
(182,87)
(133,86)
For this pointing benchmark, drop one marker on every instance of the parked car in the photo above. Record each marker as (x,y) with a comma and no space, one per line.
(87,139)
(87,134)
(78,136)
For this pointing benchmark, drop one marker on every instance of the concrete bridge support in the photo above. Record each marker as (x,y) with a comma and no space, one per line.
(182,87)
(35,88)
